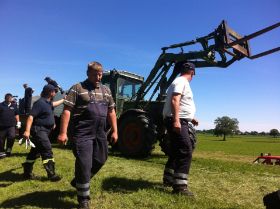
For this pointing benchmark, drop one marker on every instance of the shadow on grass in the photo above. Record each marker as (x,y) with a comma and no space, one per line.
(116,153)
(124,185)
(50,199)
(9,175)
(16,154)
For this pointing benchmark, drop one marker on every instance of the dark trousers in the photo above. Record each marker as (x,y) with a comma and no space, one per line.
(179,160)
(91,155)
(27,105)
(40,138)
(8,133)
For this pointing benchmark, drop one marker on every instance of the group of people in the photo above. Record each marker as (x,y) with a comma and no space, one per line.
(10,121)
(90,105)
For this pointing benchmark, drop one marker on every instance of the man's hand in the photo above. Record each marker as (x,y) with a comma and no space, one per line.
(26,134)
(114,137)
(62,139)
(194,122)
(177,127)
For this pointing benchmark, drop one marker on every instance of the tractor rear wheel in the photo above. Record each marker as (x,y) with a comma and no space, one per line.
(137,135)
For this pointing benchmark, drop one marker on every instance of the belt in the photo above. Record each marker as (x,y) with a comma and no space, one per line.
(171,119)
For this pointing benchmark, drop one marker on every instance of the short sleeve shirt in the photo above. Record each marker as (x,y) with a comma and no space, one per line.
(187,107)
(78,96)
(42,112)
(7,114)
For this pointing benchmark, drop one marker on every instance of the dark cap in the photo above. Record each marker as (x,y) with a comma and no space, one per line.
(183,67)
(47,78)
(8,95)
(47,88)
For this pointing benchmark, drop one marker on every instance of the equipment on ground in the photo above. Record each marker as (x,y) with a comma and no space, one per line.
(140,121)
(268,159)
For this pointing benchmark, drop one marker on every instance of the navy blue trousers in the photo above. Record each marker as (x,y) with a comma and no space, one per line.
(8,133)
(179,160)
(40,138)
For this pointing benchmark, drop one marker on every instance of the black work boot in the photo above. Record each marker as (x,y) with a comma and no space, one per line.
(182,191)
(83,205)
(27,171)
(2,155)
(8,152)
(49,166)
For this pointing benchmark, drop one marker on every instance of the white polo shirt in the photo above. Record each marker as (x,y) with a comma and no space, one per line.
(187,107)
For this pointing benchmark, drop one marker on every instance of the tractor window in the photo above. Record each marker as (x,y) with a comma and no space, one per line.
(126,88)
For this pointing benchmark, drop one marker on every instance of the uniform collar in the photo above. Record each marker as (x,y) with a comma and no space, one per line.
(46,100)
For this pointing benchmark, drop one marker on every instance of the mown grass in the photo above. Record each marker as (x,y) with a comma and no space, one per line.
(222,177)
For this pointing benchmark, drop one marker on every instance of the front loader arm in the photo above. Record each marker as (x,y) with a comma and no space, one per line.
(226,48)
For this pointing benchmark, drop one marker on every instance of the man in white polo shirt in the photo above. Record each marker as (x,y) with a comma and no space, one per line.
(179,110)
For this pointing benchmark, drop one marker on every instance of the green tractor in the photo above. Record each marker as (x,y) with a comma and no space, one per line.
(139,103)
(136,123)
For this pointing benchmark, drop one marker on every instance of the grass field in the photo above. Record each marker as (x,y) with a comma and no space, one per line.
(222,177)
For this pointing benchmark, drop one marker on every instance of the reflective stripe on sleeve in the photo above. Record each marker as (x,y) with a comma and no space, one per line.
(66,101)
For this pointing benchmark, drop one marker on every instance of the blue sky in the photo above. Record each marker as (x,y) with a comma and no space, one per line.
(57,38)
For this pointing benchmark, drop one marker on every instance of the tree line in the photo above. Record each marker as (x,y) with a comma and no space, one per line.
(225,126)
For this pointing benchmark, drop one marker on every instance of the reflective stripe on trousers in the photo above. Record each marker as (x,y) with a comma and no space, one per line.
(180,179)
(83,190)
(168,175)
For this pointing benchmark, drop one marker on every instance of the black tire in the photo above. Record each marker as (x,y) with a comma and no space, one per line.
(137,135)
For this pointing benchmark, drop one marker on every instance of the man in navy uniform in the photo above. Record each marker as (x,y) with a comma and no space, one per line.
(178,111)
(91,105)
(39,123)
(9,119)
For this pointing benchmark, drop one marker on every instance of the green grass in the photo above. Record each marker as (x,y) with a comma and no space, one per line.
(222,177)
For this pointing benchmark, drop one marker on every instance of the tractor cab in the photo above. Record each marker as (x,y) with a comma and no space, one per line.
(123,85)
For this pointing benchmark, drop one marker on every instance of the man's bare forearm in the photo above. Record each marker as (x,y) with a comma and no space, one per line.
(29,123)
(112,118)
(65,118)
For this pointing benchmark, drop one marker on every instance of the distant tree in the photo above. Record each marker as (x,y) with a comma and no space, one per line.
(225,126)
(274,132)
(254,133)
(246,133)
(263,133)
